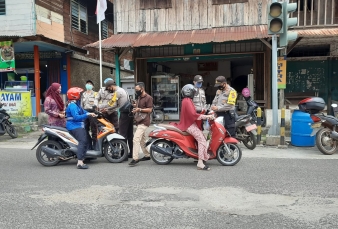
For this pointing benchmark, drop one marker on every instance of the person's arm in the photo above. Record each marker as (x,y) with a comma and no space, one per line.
(149,106)
(74,111)
(48,108)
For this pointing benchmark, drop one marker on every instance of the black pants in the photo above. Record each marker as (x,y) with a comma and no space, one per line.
(114,119)
(228,122)
(81,135)
(126,129)
(90,123)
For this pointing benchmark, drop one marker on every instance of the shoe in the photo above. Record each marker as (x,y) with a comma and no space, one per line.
(145,159)
(134,162)
(83,166)
(206,168)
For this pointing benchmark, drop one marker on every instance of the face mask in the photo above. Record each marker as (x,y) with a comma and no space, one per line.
(89,87)
(199,84)
(111,90)
(138,93)
(221,87)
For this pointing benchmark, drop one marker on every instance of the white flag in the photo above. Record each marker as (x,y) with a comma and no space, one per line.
(101,7)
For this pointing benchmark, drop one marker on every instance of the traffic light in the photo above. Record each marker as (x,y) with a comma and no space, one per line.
(275,18)
(286,35)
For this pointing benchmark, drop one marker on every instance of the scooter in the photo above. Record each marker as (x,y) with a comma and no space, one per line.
(167,143)
(62,146)
(5,124)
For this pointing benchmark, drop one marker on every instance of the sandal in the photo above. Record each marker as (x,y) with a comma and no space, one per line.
(206,168)
(83,166)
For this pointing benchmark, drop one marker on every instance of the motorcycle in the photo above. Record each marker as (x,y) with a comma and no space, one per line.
(325,127)
(157,115)
(62,146)
(167,143)
(5,124)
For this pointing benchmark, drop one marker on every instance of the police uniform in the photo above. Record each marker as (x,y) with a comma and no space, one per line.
(225,101)
(88,100)
(199,99)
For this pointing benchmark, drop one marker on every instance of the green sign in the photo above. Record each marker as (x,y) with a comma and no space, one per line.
(7,62)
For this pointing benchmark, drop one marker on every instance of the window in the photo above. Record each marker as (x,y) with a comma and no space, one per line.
(155,4)
(104,29)
(2,7)
(220,2)
(79,15)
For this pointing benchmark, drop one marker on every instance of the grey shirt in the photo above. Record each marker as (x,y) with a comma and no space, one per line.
(221,100)
(121,97)
(88,100)
(199,99)
(102,99)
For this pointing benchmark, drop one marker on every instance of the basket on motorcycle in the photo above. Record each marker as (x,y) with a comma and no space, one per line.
(312,105)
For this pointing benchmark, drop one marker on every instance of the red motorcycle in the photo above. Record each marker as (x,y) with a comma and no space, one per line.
(168,143)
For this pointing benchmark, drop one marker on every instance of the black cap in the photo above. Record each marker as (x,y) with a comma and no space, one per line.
(220,80)
(89,81)
(198,78)
(110,83)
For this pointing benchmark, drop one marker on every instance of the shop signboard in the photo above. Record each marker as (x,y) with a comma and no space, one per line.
(281,73)
(7,60)
(17,103)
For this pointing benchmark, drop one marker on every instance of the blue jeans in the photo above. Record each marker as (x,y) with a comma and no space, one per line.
(80,134)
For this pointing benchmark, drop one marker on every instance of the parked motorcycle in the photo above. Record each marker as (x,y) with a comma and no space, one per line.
(168,143)
(252,107)
(5,124)
(62,146)
(157,115)
(324,126)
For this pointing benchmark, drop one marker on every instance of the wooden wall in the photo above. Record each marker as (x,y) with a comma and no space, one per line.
(188,15)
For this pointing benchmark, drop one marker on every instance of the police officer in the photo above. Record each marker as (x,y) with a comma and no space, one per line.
(88,101)
(104,96)
(224,104)
(199,99)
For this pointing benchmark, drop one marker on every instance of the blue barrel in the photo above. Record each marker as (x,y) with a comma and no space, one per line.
(301,130)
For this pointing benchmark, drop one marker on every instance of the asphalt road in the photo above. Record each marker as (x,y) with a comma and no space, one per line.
(259,192)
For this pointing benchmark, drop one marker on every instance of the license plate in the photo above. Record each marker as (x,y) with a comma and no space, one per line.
(251,127)
(316,125)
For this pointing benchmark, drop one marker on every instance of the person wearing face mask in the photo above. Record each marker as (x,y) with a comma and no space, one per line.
(224,104)
(54,106)
(199,99)
(104,96)
(126,120)
(89,102)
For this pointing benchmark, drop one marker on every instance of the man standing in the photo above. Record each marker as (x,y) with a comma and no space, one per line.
(126,120)
(144,107)
(103,97)
(88,101)
(224,104)
(199,99)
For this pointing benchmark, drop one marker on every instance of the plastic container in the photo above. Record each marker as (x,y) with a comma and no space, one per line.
(301,129)
(23,78)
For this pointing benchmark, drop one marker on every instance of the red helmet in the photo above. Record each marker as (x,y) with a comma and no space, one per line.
(74,93)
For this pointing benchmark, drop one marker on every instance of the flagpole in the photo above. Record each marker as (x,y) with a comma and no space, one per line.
(100,53)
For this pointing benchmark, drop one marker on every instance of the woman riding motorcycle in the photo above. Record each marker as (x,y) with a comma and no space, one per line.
(188,123)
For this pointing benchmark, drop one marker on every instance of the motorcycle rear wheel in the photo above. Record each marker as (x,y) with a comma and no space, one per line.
(11,130)
(119,152)
(43,158)
(158,158)
(250,142)
(229,158)
(323,140)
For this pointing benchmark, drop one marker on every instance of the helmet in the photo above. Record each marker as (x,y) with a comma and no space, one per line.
(74,93)
(188,91)
(106,80)
(246,92)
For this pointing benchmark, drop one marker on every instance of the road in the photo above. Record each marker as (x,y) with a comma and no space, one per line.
(259,192)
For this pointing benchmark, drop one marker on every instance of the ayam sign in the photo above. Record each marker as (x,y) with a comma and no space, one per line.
(281,73)
(17,103)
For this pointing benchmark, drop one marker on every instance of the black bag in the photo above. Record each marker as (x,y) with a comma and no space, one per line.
(127,107)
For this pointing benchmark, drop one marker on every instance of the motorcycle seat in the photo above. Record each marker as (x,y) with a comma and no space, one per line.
(173,128)
(56,128)
(239,118)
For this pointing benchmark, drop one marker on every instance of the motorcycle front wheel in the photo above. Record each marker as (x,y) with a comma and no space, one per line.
(250,141)
(10,129)
(43,158)
(325,143)
(229,157)
(118,153)
(159,158)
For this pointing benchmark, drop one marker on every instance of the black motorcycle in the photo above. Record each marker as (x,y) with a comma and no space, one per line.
(157,115)
(246,131)
(252,110)
(5,124)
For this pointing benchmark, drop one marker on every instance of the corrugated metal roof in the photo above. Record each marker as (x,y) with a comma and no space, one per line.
(318,32)
(183,37)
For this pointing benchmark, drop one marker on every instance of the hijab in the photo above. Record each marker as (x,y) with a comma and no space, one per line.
(188,115)
(54,94)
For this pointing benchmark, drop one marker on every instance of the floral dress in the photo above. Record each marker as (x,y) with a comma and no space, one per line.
(53,112)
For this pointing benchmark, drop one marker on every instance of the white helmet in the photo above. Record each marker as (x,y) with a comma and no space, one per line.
(188,91)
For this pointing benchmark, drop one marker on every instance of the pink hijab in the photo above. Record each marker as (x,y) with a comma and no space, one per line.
(54,94)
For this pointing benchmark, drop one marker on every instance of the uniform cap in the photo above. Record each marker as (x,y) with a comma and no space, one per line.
(220,80)
(106,80)
(198,78)
(89,81)
(110,83)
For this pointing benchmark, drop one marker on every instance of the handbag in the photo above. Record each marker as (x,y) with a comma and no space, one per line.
(127,107)
(139,116)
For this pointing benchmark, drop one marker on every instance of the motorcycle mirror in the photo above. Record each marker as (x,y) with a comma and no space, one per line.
(334,105)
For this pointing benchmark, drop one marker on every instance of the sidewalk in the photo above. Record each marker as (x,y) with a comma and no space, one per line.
(27,141)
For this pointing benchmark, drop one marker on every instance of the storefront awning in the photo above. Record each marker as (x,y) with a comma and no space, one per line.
(237,33)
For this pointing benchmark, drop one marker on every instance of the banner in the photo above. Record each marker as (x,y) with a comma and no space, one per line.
(281,73)
(17,103)
(7,62)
